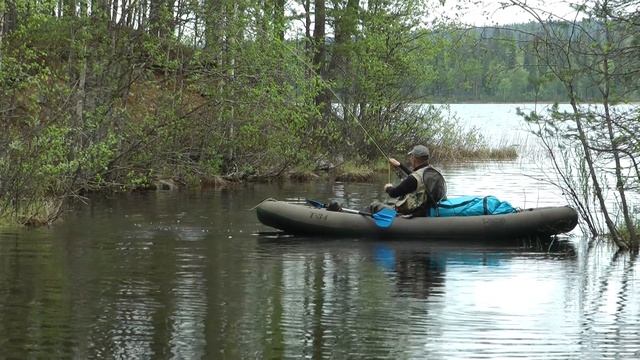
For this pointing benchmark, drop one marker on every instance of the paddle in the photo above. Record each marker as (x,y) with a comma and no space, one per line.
(315,204)
(383,218)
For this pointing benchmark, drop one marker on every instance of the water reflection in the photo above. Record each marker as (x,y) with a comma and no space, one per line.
(380,296)
(181,275)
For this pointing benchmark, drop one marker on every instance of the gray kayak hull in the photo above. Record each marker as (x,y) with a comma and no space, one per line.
(307,220)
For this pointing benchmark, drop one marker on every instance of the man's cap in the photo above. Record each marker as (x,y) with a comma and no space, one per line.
(419,151)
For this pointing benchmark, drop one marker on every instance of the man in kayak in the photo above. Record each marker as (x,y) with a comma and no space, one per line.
(421,189)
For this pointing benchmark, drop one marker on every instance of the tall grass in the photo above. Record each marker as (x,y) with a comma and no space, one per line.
(355,172)
(35,213)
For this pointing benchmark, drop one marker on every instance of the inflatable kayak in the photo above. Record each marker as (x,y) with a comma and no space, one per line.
(309,220)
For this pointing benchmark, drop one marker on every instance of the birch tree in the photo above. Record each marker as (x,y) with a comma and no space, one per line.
(598,47)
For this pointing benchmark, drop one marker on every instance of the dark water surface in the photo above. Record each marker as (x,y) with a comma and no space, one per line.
(186,275)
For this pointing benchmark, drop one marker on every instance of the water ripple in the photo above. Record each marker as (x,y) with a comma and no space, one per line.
(210,286)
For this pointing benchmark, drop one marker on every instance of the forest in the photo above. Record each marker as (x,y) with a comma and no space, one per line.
(500,64)
(115,95)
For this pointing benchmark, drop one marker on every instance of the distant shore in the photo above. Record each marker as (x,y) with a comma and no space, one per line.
(513,102)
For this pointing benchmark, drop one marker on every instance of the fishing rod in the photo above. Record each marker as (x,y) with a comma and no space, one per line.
(349,112)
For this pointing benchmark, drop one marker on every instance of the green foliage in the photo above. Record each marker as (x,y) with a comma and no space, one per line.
(376,74)
(503,65)
(595,60)
(196,91)
(355,172)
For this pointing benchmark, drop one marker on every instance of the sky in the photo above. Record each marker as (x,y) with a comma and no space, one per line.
(471,12)
(487,12)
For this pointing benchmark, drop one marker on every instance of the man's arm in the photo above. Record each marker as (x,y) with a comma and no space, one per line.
(405,169)
(408,185)
(398,165)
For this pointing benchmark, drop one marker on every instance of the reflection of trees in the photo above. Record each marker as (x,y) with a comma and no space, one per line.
(316,298)
(109,289)
(103,293)
(14,329)
(418,275)
(332,303)
(608,279)
(420,271)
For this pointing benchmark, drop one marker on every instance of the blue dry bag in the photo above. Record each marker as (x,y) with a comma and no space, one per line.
(471,206)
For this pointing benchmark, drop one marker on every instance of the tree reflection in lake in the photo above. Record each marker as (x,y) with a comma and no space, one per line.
(351,296)
(182,275)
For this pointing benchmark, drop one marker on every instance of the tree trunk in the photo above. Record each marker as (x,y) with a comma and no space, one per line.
(2,15)
(161,18)
(307,19)
(81,86)
(593,173)
(319,54)
(213,16)
(68,8)
(142,17)
(128,11)
(345,28)
(230,39)
(114,11)
(319,36)
(83,8)
(620,182)
(279,19)
(8,19)
(99,9)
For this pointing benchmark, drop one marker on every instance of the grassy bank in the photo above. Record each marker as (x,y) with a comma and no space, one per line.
(625,234)
(358,172)
(39,212)
(49,163)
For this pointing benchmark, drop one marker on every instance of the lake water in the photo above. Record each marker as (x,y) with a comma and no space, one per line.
(192,274)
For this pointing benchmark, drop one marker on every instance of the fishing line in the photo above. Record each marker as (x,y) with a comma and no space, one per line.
(349,112)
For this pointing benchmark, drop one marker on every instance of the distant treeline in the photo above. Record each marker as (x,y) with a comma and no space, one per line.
(500,64)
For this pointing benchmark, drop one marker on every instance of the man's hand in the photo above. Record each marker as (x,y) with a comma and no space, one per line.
(394,162)
(386,186)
